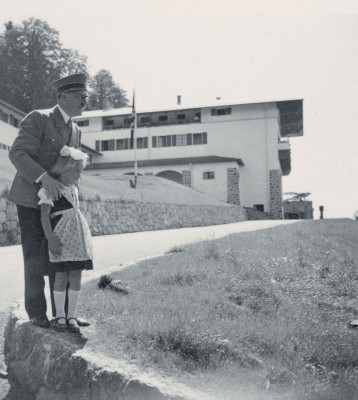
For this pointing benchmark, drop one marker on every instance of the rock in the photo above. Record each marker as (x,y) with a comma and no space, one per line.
(43,364)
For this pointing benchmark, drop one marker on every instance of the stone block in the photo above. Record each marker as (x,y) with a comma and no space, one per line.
(2,216)
(3,204)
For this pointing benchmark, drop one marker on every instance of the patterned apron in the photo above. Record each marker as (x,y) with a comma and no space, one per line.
(73,231)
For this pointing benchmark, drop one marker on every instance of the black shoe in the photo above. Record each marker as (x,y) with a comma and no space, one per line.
(82,322)
(42,322)
(4,374)
(56,326)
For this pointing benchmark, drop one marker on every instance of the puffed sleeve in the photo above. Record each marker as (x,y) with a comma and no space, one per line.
(44,197)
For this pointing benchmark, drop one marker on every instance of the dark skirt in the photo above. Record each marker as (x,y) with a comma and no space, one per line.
(64,266)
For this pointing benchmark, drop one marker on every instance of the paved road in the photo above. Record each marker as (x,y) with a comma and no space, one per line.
(111,253)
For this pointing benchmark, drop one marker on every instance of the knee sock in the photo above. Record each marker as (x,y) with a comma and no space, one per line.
(73,298)
(59,298)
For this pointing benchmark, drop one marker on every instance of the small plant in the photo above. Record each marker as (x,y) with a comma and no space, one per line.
(181,279)
(211,250)
(175,250)
(107,282)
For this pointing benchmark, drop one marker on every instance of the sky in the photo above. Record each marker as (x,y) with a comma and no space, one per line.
(239,50)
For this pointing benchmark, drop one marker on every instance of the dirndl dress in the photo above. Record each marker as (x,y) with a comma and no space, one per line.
(71,227)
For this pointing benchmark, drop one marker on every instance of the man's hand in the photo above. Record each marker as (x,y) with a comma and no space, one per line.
(55,245)
(52,186)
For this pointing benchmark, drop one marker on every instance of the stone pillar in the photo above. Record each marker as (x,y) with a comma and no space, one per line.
(186,178)
(233,190)
(276,193)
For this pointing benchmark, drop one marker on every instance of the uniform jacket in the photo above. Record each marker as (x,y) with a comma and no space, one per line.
(41,136)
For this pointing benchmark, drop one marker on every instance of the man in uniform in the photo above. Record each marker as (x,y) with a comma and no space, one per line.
(41,136)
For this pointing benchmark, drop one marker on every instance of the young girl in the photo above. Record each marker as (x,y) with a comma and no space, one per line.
(68,236)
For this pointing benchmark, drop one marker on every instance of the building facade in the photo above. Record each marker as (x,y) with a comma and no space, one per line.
(298,209)
(10,118)
(236,153)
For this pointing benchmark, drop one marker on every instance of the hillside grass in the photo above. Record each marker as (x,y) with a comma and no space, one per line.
(262,313)
(105,186)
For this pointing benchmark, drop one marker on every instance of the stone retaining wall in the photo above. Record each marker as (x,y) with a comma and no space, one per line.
(112,217)
(253,214)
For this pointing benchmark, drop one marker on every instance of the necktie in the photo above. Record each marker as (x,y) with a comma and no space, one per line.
(69,127)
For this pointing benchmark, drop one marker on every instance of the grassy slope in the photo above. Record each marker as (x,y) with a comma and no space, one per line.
(149,189)
(262,313)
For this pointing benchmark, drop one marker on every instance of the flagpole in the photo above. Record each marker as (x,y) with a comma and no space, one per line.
(135,141)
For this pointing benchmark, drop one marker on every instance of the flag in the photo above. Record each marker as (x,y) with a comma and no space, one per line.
(132,123)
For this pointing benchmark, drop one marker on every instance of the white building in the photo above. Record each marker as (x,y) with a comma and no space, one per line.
(236,153)
(10,118)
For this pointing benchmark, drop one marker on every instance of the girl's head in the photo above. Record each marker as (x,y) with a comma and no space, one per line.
(69,165)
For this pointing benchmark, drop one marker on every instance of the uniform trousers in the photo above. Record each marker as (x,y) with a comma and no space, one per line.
(36,259)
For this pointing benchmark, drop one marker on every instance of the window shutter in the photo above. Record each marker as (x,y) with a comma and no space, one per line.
(111,145)
(98,145)
(188,139)
(213,111)
(205,138)
(154,141)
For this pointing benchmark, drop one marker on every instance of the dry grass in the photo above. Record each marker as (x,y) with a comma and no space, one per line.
(150,189)
(264,313)
(103,186)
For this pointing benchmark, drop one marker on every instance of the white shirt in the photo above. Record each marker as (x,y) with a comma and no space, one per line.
(66,117)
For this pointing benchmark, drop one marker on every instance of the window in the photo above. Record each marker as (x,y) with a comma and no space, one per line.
(162,141)
(186,139)
(142,143)
(110,122)
(3,116)
(259,207)
(200,138)
(122,144)
(107,145)
(220,111)
(4,146)
(209,175)
(148,174)
(181,140)
(181,117)
(163,118)
(84,122)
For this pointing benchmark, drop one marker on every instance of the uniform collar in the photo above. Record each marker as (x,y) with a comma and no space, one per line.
(66,117)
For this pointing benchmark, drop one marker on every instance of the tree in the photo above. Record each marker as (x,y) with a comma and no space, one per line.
(105,92)
(31,57)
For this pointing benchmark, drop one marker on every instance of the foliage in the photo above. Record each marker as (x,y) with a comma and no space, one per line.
(105,92)
(31,57)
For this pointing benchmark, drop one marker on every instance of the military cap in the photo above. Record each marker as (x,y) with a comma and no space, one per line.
(71,83)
